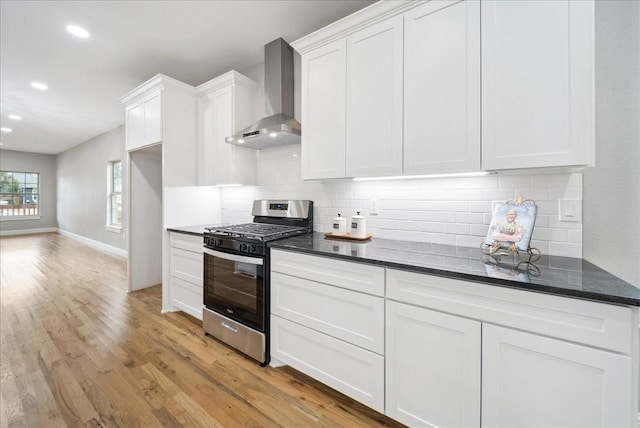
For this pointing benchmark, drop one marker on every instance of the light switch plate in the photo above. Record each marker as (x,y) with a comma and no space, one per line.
(570,210)
(374,209)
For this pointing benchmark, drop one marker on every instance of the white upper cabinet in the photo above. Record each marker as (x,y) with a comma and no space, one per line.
(428,87)
(442,88)
(537,83)
(144,121)
(323,111)
(163,110)
(374,100)
(226,105)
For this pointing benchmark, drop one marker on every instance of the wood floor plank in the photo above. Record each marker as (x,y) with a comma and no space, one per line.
(76,349)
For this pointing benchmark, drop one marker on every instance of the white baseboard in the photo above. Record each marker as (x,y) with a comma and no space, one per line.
(96,244)
(27,231)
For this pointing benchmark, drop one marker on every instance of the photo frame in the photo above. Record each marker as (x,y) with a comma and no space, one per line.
(511,226)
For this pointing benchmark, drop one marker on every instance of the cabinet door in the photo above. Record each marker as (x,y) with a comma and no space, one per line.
(432,367)
(219,162)
(530,380)
(152,122)
(133,127)
(537,83)
(323,111)
(374,100)
(442,88)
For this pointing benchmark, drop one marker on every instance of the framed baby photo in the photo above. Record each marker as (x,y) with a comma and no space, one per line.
(511,226)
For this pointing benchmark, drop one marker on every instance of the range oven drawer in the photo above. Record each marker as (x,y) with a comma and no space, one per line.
(239,336)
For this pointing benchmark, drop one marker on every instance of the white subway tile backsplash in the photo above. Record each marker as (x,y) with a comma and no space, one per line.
(451,211)
(565,249)
(456,228)
(514,181)
(469,217)
(498,194)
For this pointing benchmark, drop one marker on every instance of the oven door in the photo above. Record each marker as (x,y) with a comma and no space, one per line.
(234,287)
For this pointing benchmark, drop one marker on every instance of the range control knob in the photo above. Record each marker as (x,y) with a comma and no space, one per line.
(243,248)
(252,248)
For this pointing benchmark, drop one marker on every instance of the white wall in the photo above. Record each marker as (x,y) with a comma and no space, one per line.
(82,187)
(191,206)
(612,187)
(45,165)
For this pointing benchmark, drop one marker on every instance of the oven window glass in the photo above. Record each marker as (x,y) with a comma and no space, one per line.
(235,289)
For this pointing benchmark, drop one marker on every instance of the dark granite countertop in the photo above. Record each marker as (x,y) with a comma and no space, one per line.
(190,230)
(550,274)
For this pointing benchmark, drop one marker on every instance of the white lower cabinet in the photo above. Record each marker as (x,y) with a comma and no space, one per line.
(186,268)
(323,327)
(551,362)
(530,380)
(347,368)
(440,352)
(432,367)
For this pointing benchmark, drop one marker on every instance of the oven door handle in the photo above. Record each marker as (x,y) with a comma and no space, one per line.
(234,258)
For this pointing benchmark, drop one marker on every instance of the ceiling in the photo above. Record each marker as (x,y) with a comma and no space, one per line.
(130,42)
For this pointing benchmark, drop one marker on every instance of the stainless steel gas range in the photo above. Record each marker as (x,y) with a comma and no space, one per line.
(236,273)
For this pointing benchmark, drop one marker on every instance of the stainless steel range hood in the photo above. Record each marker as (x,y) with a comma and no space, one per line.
(279,127)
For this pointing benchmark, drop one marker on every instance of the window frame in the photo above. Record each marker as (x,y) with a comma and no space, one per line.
(23,194)
(111,193)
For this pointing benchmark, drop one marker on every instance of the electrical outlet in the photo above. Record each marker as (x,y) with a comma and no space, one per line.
(570,210)
(373,207)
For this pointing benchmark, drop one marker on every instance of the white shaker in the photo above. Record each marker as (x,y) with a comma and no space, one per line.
(339,226)
(358,226)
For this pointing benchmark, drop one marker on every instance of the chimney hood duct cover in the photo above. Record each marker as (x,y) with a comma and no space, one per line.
(279,127)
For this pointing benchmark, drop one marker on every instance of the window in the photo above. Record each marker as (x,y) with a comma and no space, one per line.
(114,202)
(19,194)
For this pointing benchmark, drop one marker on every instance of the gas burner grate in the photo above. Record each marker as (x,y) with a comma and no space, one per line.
(258,231)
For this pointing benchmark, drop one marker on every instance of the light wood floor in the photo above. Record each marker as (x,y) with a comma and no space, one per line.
(77,350)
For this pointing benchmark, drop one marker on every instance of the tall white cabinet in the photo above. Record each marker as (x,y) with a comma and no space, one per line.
(160,132)
(225,105)
(537,83)
(163,111)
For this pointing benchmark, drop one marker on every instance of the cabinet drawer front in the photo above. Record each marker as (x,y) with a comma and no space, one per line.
(186,242)
(344,367)
(187,297)
(354,317)
(353,276)
(187,265)
(596,324)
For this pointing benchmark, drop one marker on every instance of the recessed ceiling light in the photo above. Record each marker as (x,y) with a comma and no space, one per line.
(78,31)
(6,129)
(39,85)
(14,117)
